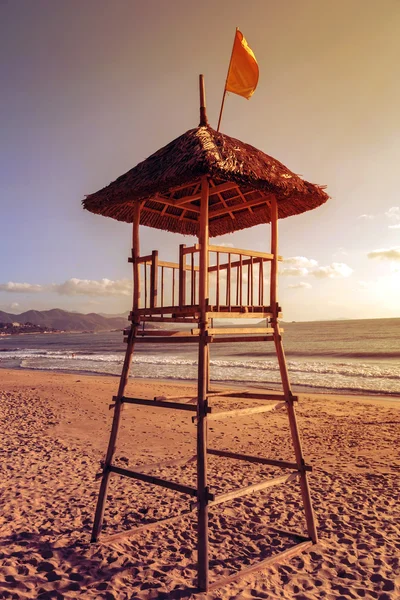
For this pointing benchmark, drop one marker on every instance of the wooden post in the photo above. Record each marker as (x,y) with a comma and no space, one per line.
(203,114)
(154,279)
(217,283)
(252,280)
(192,281)
(241,280)
(228,282)
(274,252)
(202,491)
(305,489)
(162,287)
(99,515)
(182,276)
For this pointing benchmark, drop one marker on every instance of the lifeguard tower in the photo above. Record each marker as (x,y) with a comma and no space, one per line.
(207,184)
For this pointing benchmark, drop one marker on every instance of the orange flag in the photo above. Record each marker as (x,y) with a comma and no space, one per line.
(243,69)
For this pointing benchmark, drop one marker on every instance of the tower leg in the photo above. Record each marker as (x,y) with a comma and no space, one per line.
(99,515)
(202,388)
(202,496)
(305,488)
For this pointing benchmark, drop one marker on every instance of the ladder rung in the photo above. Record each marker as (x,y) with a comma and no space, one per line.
(235,330)
(164,340)
(242,412)
(288,553)
(159,403)
(253,338)
(164,333)
(258,459)
(171,485)
(253,488)
(215,393)
(247,395)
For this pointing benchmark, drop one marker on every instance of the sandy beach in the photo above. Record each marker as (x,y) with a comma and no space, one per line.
(55,428)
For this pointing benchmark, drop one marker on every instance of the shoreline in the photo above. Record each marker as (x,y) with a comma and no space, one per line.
(192,383)
(305,390)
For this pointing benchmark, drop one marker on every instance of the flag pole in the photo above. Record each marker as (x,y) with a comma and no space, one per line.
(226,81)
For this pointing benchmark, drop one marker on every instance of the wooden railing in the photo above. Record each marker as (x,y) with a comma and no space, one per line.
(236,277)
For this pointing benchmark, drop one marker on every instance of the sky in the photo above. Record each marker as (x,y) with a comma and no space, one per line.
(90,88)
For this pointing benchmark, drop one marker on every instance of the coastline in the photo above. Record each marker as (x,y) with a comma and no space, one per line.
(304,389)
(55,432)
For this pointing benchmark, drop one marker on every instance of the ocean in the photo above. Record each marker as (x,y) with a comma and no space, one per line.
(350,356)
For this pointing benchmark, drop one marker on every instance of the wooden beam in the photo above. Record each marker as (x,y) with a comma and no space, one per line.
(175,204)
(177,217)
(166,333)
(238,315)
(257,459)
(251,489)
(100,506)
(248,395)
(236,207)
(215,393)
(290,533)
(186,310)
(288,553)
(235,330)
(235,264)
(244,412)
(203,365)
(241,251)
(171,485)
(191,249)
(141,528)
(162,319)
(229,339)
(223,187)
(274,252)
(158,403)
(166,340)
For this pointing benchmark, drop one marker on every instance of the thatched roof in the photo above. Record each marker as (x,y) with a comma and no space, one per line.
(242,180)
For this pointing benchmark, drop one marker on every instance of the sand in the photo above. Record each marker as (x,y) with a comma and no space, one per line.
(55,429)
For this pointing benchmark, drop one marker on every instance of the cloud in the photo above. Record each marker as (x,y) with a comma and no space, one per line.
(21,288)
(302,266)
(299,266)
(333,270)
(301,284)
(301,261)
(294,271)
(74,287)
(393,213)
(366,217)
(386,253)
(91,287)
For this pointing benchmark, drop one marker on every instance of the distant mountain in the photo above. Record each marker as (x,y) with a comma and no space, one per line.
(66,321)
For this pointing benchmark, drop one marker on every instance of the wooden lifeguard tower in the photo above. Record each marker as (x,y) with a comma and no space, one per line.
(207,184)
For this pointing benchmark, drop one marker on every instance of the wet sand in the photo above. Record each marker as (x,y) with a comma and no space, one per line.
(55,429)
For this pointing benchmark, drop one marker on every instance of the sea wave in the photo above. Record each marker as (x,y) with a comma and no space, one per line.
(348,369)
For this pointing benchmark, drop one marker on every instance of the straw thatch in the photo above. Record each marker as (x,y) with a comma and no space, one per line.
(242,180)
